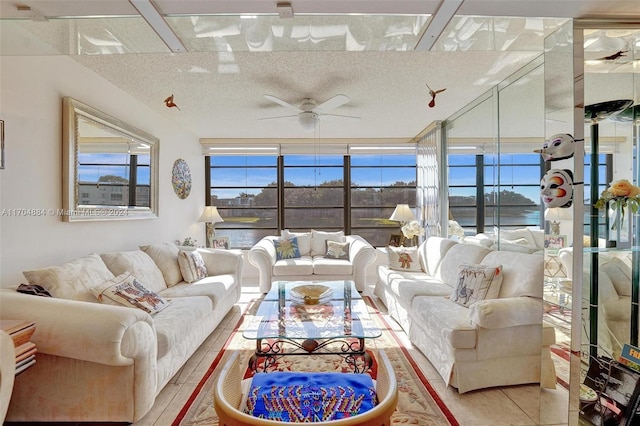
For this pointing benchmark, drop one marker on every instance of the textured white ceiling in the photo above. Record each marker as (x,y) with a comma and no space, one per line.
(221,93)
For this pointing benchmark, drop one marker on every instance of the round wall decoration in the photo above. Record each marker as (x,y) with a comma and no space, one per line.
(181,178)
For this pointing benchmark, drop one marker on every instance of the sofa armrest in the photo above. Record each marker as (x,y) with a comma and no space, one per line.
(361,254)
(221,262)
(506,312)
(263,256)
(105,334)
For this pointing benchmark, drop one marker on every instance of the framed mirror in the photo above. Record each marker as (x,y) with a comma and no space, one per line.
(110,168)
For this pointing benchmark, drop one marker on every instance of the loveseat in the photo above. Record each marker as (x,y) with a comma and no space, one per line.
(99,360)
(312,261)
(474,340)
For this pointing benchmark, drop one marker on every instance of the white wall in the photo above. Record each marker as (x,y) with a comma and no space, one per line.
(31,92)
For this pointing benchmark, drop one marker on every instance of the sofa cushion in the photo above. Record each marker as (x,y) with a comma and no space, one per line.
(319,238)
(620,275)
(127,290)
(304,241)
(72,280)
(457,255)
(516,234)
(286,248)
(300,266)
(140,264)
(215,287)
(177,320)
(403,259)
(522,274)
(433,250)
(327,266)
(191,265)
(477,282)
(165,255)
(448,321)
(407,285)
(336,250)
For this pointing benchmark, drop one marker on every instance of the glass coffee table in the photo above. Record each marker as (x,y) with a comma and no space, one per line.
(337,324)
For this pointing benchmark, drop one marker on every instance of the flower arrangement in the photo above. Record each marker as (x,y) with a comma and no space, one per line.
(188,242)
(455,230)
(620,194)
(412,229)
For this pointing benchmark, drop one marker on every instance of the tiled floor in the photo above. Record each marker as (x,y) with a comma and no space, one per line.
(516,405)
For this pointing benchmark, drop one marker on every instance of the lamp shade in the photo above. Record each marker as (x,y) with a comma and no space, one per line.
(210,214)
(403,213)
(557,213)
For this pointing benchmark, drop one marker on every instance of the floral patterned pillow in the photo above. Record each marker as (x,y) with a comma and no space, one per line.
(336,250)
(287,248)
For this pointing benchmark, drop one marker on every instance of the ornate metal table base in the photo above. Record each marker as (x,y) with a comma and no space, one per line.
(352,350)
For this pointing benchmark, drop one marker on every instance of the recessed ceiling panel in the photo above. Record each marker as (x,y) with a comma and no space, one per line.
(266,33)
(79,36)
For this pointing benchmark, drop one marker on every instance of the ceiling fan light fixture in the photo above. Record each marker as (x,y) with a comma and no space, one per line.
(307,120)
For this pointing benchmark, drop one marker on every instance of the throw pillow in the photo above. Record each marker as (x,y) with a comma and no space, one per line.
(191,265)
(287,248)
(287,396)
(477,282)
(404,259)
(72,280)
(139,263)
(36,290)
(336,250)
(126,290)
(165,255)
(304,240)
(319,238)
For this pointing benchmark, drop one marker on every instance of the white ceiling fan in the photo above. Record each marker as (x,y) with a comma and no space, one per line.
(309,112)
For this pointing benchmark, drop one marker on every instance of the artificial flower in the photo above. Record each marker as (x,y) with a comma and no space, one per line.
(412,229)
(620,194)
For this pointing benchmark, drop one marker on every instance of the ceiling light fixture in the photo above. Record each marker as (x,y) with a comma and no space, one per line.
(285,10)
(150,14)
(437,24)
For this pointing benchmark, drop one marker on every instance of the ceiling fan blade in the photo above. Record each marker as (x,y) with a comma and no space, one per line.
(283,103)
(280,116)
(336,117)
(332,103)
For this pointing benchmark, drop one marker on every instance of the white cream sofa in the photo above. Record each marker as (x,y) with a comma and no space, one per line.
(494,342)
(614,295)
(99,362)
(312,265)
(522,240)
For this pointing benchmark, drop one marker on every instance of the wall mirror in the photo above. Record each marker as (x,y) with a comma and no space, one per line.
(110,168)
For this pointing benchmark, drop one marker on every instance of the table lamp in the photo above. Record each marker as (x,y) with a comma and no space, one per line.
(404,215)
(210,216)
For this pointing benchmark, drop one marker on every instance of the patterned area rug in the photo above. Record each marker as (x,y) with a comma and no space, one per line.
(418,402)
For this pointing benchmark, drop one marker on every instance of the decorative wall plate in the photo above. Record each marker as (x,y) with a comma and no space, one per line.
(181,178)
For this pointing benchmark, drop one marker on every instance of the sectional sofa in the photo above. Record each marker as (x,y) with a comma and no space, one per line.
(474,340)
(101,361)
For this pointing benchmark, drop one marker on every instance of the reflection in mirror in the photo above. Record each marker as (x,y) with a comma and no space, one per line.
(110,167)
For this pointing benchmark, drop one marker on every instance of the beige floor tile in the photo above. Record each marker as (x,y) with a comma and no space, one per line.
(489,407)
